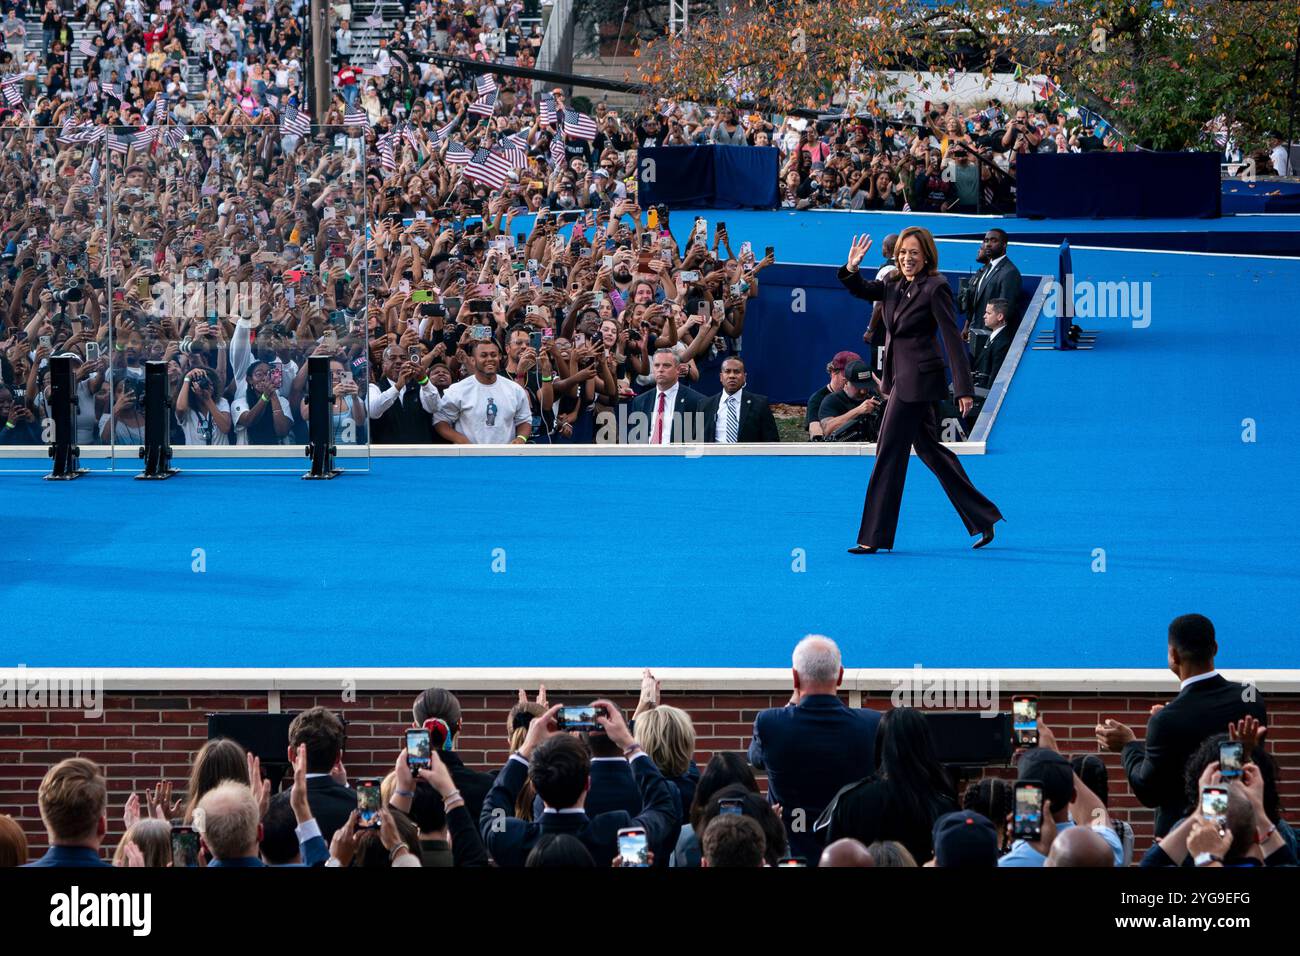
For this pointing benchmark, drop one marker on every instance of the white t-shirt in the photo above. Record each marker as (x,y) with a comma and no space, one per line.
(1281,160)
(485,414)
(240,405)
(200,429)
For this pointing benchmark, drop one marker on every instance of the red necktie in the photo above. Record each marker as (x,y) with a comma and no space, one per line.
(659,422)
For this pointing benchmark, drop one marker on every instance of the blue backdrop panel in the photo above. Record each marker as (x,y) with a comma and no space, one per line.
(1275,196)
(745,177)
(710,177)
(1118,185)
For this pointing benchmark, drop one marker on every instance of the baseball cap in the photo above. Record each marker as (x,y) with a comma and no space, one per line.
(1050,769)
(858,373)
(842,360)
(965,839)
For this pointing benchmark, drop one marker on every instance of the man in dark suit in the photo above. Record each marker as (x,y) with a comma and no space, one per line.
(1207,704)
(560,770)
(613,786)
(813,746)
(668,413)
(74,808)
(735,414)
(989,352)
(998,279)
(331,801)
(439,704)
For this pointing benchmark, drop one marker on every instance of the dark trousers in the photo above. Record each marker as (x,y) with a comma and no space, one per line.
(907,425)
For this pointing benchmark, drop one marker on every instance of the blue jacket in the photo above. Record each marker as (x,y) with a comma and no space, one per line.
(612,788)
(64,856)
(510,839)
(240,861)
(810,752)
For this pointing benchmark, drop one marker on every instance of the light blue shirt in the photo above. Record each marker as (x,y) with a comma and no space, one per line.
(1022,854)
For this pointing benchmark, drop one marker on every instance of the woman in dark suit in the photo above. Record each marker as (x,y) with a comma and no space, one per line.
(915,303)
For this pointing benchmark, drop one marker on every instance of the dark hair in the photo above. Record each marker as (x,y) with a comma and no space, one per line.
(322,731)
(600,745)
(1092,771)
(427,810)
(992,797)
(1208,752)
(279,841)
(560,850)
(733,841)
(1002,233)
(1000,306)
(754,806)
(440,703)
(474,346)
(559,771)
(907,760)
(722,770)
(1192,636)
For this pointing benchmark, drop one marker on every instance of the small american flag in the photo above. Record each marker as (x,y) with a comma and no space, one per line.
(516,157)
(485,105)
(548,109)
(93,134)
(87,46)
(355,116)
(446,127)
(486,84)
(294,123)
(408,135)
(557,148)
(159,109)
(144,138)
(907,206)
(113,90)
(457,154)
(385,145)
(668,108)
(173,136)
(489,167)
(12,95)
(117,144)
(579,126)
(375,20)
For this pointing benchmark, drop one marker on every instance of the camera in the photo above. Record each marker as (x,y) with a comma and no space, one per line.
(70,294)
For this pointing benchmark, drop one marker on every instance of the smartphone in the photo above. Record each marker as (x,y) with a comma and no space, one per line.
(1024,720)
(535,341)
(92,351)
(46,342)
(368,803)
(417,750)
(746,248)
(421,295)
(732,805)
(453,305)
(690,275)
(1027,813)
(579,718)
(1214,806)
(185,846)
(769,252)
(142,287)
(212,320)
(481,333)
(598,297)
(633,848)
(1231,755)
(607,262)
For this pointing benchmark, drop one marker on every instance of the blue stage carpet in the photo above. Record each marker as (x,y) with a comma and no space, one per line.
(1135,448)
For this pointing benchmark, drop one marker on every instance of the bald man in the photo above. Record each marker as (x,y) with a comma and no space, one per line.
(1080,847)
(227,818)
(847,852)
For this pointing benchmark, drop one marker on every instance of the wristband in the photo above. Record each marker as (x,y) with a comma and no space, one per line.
(404,793)
(397,851)
(9,424)
(548,378)
(632,751)
(424,381)
(265,399)
(518,440)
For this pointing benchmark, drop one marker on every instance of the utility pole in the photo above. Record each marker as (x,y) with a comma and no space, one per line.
(321,47)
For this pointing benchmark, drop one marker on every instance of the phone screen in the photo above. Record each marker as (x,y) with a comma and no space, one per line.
(633,849)
(578,718)
(1027,816)
(1024,717)
(735,807)
(1214,805)
(1230,759)
(368,802)
(417,749)
(185,847)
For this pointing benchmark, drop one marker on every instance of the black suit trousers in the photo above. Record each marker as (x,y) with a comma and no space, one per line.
(907,425)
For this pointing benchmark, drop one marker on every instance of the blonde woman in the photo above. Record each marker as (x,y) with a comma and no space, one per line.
(668,736)
(152,838)
(517,721)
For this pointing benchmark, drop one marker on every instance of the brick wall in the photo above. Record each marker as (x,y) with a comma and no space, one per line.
(144,737)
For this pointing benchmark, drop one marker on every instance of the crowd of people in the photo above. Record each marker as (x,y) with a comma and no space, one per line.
(822,783)
(220,232)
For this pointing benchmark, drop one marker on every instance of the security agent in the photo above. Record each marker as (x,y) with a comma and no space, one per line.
(853,413)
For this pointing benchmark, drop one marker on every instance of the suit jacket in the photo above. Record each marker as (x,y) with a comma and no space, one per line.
(810,752)
(1155,767)
(990,356)
(688,402)
(510,839)
(69,856)
(331,804)
(905,325)
(757,424)
(1002,283)
(472,784)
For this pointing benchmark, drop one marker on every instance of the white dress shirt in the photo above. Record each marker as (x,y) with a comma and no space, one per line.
(989,271)
(382,401)
(1199,677)
(670,403)
(720,423)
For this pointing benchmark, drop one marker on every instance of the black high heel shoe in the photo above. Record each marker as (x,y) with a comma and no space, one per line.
(862,549)
(985,538)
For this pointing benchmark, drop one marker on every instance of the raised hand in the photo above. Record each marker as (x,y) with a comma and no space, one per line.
(857,250)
